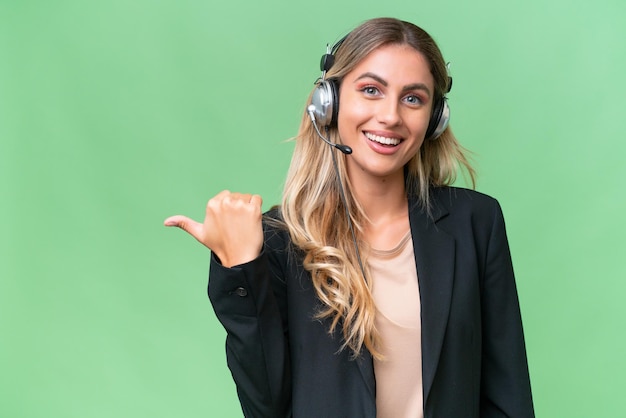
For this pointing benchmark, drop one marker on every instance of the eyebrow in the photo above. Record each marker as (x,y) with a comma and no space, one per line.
(414,86)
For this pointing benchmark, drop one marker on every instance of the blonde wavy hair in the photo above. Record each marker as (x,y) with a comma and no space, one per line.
(314,213)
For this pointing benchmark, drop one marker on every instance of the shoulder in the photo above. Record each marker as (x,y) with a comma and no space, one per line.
(273,221)
(456,206)
(275,230)
(461,199)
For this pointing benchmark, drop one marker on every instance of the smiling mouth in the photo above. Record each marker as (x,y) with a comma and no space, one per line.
(382,139)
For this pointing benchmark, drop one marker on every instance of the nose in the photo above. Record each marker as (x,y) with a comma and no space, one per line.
(388,112)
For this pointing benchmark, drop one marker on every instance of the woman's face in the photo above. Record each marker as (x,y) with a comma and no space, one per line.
(384,108)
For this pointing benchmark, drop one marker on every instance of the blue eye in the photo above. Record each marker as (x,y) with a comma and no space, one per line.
(370,90)
(413,99)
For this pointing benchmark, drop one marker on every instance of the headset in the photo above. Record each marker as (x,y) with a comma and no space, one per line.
(324,105)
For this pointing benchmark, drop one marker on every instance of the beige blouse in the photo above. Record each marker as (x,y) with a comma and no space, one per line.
(396,294)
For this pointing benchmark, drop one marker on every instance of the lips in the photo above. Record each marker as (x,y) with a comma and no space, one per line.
(382,139)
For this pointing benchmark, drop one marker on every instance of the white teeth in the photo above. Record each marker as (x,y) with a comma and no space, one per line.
(382,139)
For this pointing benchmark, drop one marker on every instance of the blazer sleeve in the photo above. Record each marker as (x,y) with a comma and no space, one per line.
(248,300)
(505,382)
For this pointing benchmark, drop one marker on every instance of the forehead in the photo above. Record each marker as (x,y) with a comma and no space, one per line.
(395,63)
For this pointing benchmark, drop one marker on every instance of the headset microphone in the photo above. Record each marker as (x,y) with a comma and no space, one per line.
(343,148)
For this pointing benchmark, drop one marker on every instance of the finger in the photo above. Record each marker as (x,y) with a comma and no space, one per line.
(256,200)
(188,225)
(239,197)
(221,195)
(216,201)
(245,198)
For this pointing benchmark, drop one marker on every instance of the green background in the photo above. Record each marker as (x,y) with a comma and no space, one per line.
(116,114)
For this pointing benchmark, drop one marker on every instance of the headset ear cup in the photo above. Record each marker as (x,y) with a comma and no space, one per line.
(325,102)
(439,119)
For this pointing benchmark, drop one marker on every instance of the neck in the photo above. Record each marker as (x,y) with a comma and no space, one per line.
(385,204)
(382,199)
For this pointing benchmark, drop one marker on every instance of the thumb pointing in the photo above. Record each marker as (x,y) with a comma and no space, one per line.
(188,225)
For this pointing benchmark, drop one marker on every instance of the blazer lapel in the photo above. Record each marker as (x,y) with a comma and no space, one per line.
(434,257)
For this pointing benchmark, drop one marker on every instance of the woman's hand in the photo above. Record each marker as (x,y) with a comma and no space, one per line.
(232,227)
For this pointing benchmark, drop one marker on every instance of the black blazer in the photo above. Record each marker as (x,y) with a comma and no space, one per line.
(285,363)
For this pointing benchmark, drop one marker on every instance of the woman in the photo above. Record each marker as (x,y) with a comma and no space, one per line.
(375,289)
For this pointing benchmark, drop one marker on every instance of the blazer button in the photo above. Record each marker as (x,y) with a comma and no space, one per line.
(242,292)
